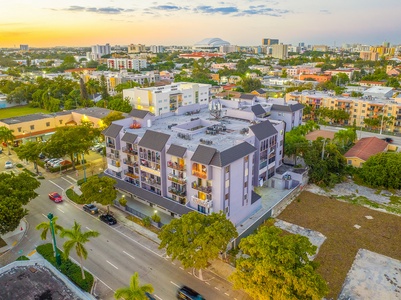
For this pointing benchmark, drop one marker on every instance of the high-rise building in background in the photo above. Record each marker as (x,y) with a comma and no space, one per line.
(156,49)
(98,51)
(24,47)
(269,42)
(136,48)
(280,51)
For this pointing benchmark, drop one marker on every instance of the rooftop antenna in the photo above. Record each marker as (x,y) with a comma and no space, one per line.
(215,108)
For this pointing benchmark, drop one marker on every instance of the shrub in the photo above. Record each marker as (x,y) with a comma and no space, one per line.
(156,218)
(82,180)
(67,267)
(123,201)
(19,166)
(29,172)
(22,257)
(146,221)
(74,196)
(41,163)
(41,177)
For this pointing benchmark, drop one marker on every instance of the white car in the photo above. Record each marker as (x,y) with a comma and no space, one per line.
(8,165)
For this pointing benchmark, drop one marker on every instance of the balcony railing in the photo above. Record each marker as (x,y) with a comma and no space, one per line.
(178,192)
(204,189)
(151,182)
(132,175)
(149,165)
(129,150)
(204,203)
(199,174)
(113,156)
(176,166)
(176,179)
(262,164)
(111,145)
(130,162)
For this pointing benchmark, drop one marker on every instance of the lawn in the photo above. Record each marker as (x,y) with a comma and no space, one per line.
(336,219)
(2,243)
(20,111)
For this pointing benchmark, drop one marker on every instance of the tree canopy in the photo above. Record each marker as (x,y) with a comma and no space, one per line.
(135,291)
(277,266)
(15,192)
(99,189)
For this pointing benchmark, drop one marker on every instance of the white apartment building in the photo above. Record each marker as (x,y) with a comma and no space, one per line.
(280,51)
(98,51)
(156,49)
(126,64)
(165,99)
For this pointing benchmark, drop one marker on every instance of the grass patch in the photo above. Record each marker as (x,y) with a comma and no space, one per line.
(19,166)
(74,196)
(29,172)
(2,243)
(21,111)
(336,219)
(395,200)
(140,222)
(67,267)
(22,257)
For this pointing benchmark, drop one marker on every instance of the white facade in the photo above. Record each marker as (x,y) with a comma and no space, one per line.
(160,100)
(156,49)
(126,64)
(98,51)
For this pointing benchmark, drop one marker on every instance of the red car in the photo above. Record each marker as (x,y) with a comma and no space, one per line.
(55,197)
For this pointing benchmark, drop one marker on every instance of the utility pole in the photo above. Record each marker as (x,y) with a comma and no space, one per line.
(324,143)
(58,258)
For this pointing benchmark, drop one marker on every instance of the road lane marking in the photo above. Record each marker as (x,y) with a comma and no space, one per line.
(58,208)
(217,288)
(189,273)
(44,216)
(175,284)
(67,180)
(112,264)
(32,253)
(182,268)
(157,297)
(227,294)
(73,179)
(129,255)
(57,185)
(207,283)
(173,263)
(88,228)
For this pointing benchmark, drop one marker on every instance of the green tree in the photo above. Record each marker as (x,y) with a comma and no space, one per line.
(103,88)
(77,240)
(6,136)
(195,238)
(112,116)
(135,291)
(277,266)
(15,192)
(45,227)
(100,190)
(250,84)
(295,144)
(30,151)
(345,138)
(93,86)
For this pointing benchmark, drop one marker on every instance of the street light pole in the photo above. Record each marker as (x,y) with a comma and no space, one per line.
(84,167)
(58,258)
(381,123)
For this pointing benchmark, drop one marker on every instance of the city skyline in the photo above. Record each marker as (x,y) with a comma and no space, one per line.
(47,23)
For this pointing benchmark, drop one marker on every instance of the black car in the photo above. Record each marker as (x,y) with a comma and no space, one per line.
(388,140)
(149,296)
(108,219)
(187,293)
(91,208)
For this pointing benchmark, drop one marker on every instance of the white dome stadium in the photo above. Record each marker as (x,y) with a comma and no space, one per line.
(210,44)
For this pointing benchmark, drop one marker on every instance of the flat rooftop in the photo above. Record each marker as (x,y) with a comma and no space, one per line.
(190,130)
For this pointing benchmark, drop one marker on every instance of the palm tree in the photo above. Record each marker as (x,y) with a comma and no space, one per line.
(45,226)
(92,86)
(77,239)
(6,136)
(135,291)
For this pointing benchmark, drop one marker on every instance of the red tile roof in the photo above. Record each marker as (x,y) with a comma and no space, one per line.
(367,147)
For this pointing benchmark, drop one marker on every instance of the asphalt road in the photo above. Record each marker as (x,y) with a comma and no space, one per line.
(117,253)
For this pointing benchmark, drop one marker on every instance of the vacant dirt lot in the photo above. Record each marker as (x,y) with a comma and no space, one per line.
(336,220)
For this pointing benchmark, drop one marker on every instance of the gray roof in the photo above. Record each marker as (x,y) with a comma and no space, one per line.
(260,91)
(129,137)
(263,130)
(154,140)
(203,154)
(176,150)
(247,96)
(27,118)
(113,130)
(289,107)
(139,113)
(221,159)
(258,110)
(171,205)
(95,112)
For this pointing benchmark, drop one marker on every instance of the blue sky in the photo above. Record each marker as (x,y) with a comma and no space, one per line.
(86,22)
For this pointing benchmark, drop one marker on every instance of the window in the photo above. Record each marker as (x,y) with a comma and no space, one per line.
(32,127)
(281,132)
(47,124)
(61,121)
(19,129)
(246,158)
(363,111)
(227,169)
(227,184)
(363,105)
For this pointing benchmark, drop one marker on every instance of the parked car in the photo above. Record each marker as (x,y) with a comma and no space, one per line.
(187,293)
(56,197)
(108,219)
(91,208)
(149,296)
(388,140)
(56,162)
(8,165)
(41,155)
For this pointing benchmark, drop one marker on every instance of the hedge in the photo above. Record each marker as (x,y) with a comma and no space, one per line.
(30,172)
(67,267)
(74,196)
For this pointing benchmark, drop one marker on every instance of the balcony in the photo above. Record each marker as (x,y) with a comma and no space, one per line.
(111,145)
(178,192)
(202,175)
(203,189)
(130,162)
(176,166)
(204,203)
(113,156)
(132,175)
(151,182)
(262,164)
(176,179)
(130,150)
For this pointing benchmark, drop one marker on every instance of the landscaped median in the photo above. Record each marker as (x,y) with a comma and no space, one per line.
(67,267)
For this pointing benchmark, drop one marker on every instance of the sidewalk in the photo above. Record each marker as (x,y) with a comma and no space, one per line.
(14,237)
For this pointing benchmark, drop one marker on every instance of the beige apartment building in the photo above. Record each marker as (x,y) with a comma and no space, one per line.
(39,127)
(358,108)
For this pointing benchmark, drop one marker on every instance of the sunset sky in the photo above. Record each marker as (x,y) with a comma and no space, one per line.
(46,23)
